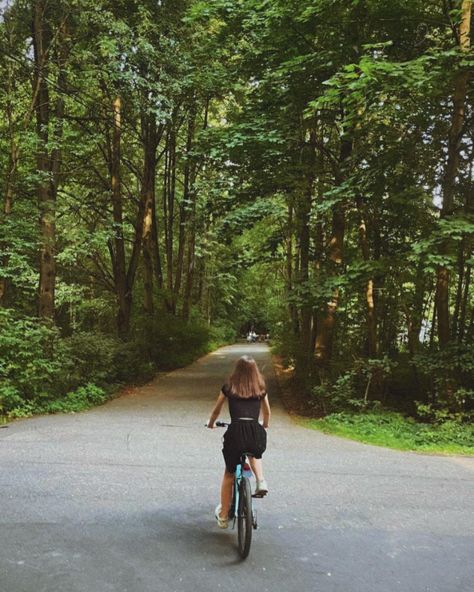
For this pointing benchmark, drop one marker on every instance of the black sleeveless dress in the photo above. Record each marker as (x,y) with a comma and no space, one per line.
(245,434)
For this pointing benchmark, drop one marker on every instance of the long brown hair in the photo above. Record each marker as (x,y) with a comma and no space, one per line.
(246,380)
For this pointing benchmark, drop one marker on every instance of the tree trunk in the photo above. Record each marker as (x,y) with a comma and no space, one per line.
(170,202)
(327,324)
(188,286)
(449,180)
(9,189)
(462,316)
(155,245)
(371,318)
(415,315)
(149,134)
(119,264)
(459,289)
(188,188)
(292,311)
(48,163)
(304,204)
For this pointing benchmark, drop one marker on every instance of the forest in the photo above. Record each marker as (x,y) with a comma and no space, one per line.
(175,173)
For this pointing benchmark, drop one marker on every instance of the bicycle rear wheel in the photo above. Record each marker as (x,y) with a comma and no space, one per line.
(244,517)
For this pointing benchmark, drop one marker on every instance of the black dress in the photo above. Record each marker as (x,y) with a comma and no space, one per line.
(245,434)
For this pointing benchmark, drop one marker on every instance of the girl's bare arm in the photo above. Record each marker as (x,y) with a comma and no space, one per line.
(266,411)
(216,411)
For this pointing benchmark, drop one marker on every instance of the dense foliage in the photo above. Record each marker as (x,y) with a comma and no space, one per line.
(178,172)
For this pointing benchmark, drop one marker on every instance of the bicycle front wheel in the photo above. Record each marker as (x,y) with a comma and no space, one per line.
(244,517)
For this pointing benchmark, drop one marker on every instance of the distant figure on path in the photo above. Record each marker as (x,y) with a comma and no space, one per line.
(246,394)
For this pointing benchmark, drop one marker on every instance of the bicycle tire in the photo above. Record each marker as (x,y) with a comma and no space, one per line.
(244,518)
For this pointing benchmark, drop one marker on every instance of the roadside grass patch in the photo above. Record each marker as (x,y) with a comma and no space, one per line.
(386,428)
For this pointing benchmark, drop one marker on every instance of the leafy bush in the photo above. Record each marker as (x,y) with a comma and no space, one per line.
(30,361)
(168,341)
(440,413)
(132,361)
(449,375)
(222,334)
(91,355)
(40,372)
(351,389)
(81,399)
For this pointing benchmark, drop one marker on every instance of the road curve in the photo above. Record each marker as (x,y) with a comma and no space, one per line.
(121,499)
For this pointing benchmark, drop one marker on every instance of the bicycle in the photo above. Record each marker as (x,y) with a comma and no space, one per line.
(241,510)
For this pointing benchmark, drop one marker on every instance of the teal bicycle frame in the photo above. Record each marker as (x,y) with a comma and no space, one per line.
(240,471)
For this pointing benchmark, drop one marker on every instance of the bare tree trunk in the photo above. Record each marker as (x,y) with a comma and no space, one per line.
(459,289)
(165,196)
(462,316)
(327,324)
(188,188)
(149,134)
(188,286)
(155,243)
(415,315)
(293,313)
(48,163)
(470,330)
(170,197)
(371,318)
(10,176)
(318,239)
(449,180)
(303,213)
(119,264)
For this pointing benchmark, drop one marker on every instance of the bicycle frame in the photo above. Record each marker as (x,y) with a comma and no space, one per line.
(241,509)
(239,473)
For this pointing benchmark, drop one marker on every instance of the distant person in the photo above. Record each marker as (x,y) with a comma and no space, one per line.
(246,394)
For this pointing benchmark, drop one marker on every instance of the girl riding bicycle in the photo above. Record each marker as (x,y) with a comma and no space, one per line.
(246,394)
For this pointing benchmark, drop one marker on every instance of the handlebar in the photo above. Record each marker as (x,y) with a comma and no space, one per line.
(225,424)
(219,424)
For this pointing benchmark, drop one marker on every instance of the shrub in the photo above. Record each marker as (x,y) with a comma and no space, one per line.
(81,399)
(222,334)
(92,356)
(40,372)
(30,361)
(449,375)
(168,341)
(351,389)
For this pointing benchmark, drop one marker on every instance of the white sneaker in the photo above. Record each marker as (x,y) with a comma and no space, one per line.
(261,489)
(221,522)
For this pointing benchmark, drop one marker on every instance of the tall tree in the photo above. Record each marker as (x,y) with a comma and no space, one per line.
(49,126)
(448,188)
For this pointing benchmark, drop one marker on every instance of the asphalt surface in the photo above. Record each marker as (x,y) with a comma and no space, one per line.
(121,499)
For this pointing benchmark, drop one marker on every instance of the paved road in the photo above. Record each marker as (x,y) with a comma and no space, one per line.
(121,499)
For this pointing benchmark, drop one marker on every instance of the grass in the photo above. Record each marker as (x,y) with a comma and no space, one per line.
(393,430)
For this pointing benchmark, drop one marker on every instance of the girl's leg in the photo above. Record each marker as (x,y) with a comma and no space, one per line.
(257,467)
(226,493)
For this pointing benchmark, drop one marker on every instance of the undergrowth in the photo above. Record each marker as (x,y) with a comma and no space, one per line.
(385,428)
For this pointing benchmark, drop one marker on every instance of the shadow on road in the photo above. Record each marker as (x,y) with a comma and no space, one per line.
(194,535)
